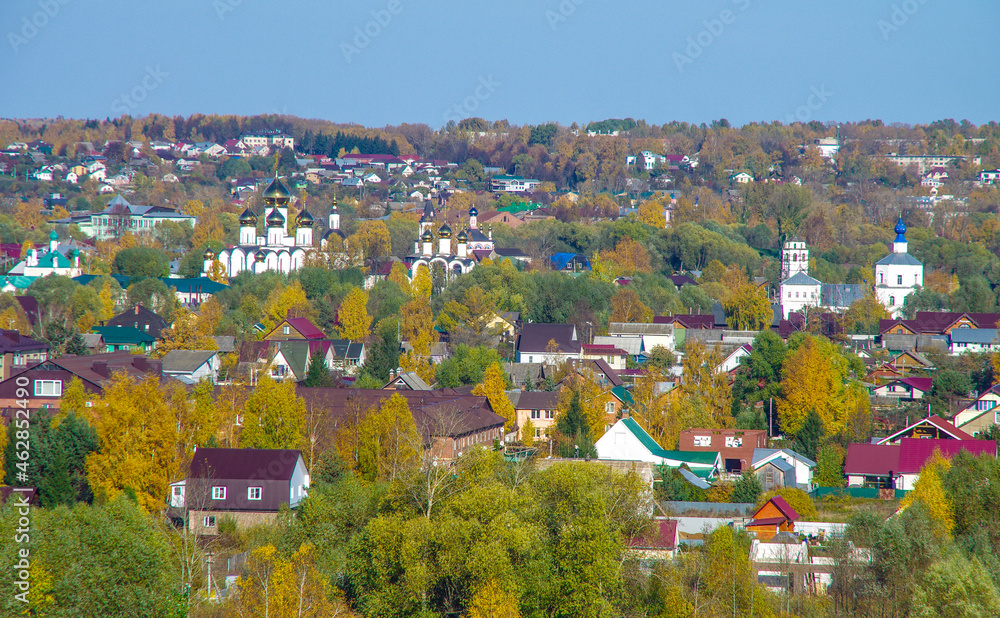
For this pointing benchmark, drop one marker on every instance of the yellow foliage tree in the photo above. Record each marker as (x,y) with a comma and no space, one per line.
(492,600)
(108,301)
(592,400)
(355,323)
(629,257)
(416,326)
(136,428)
(217,272)
(186,333)
(627,307)
(494,388)
(273,586)
(651,213)
(422,283)
(285,301)
(929,491)
(703,399)
(398,275)
(815,376)
(389,442)
(370,242)
(747,308)
(273,416)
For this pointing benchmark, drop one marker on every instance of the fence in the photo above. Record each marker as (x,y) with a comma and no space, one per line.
(871,493)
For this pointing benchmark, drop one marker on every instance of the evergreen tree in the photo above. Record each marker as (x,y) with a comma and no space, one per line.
(574,437)
(807,439)
(318,373)
(747,489)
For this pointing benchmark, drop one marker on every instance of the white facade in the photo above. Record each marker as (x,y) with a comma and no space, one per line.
(798,292)
(794,258)
(277,250)
(898,274)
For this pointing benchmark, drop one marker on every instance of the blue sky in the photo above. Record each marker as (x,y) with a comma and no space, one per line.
(384,62)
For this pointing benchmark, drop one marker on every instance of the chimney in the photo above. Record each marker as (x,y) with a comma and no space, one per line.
(101,369)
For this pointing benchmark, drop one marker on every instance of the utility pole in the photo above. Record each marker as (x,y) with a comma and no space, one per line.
(209,559)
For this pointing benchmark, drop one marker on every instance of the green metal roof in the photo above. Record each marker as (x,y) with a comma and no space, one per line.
(623,395)
(701,463)
(123,335)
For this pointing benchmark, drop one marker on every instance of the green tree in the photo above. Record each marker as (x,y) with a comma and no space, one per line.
(574,436)
(318,373)
(140,262)
(808,437)
(466,366)
(829,466)
(747,488)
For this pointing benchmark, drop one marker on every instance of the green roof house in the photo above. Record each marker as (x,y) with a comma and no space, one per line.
(125,338)
(627,441)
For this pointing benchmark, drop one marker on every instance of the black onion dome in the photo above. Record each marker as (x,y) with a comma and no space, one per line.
(275,219)
(276,193)
(248,218)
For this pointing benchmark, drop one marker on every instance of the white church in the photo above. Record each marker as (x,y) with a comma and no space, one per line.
(897,275)
(276,250)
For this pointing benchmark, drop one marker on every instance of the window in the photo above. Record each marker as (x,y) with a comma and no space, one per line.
(48,388)
(538,433)
(253,493)
(892,301)
(209,521)
(703,440)
(899,279)
(881,277)
(218,493)
(286,330)
(609,407)
(536,414)
(769,477)
(550,414)
(734,442)
(178,490)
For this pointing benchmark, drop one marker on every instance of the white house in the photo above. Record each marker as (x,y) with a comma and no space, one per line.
(192,366)
(627,441)
(652,335)
(962,340)
(513,184)
(989,177)
(799,291)
(732,360)
(741,178)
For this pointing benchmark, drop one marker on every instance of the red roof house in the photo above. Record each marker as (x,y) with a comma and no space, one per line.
(774,516)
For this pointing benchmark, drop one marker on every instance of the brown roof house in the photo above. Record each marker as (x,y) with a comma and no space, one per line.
(547,343)
(247,485)
(45,381)
(540,407)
